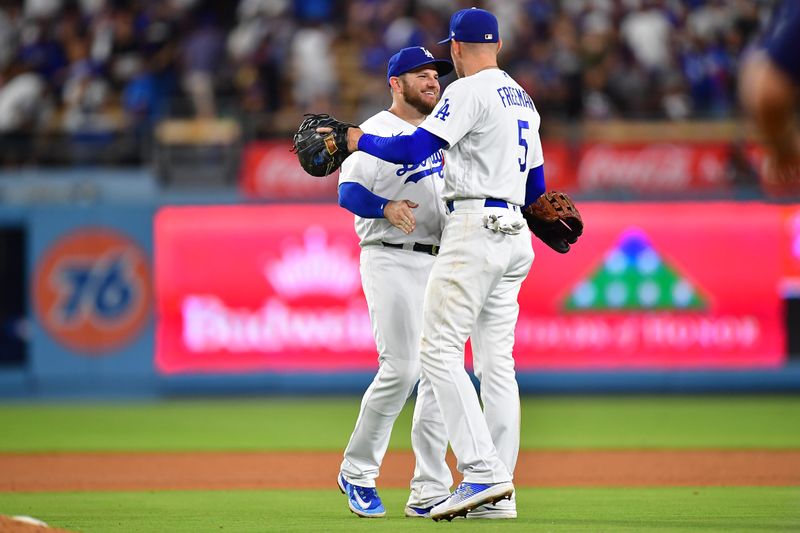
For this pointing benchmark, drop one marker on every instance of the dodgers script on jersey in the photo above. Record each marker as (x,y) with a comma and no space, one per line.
(498,128)
(420,183)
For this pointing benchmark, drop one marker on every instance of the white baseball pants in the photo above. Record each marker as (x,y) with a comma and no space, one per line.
(472,291)
(394,283)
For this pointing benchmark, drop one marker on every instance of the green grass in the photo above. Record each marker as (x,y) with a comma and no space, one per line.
(326,423)
(634,422)
(592,510)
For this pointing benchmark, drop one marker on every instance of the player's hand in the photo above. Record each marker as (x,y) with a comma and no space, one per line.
(353,135)
(400,214)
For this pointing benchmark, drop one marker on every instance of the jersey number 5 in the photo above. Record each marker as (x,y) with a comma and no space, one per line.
(523,162)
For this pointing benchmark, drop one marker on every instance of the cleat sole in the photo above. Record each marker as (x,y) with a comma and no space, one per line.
(451,514)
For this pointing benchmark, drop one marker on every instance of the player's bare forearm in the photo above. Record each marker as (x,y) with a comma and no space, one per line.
(353,135)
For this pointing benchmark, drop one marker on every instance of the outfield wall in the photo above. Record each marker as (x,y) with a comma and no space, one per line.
(139,299)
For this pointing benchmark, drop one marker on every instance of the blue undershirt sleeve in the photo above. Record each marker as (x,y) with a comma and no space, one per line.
(361,201)
(534,187)
(409,149)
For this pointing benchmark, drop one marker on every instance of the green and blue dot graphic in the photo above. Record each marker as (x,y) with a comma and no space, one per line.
(634,276)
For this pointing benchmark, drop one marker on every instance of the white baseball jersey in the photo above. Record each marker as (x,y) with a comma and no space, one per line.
(394,285)
(492,128)
(420,183)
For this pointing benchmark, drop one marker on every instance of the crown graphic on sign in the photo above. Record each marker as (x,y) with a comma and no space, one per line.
(314,267)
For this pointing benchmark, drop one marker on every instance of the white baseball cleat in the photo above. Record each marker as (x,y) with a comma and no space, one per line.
(469,496)
(504,509)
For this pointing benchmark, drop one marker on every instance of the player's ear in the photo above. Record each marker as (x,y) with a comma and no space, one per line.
(499,45)
(394,83)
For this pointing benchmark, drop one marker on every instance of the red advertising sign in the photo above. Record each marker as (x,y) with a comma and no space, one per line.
(790,284)
(658,286)
(657,166)
(661,286)
(271,170)
(265,288)
(559,167)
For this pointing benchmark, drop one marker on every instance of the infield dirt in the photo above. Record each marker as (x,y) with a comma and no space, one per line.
(313,470)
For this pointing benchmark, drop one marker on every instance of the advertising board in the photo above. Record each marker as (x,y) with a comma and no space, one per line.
(648,286)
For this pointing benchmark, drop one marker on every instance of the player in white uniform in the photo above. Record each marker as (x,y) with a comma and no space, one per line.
(489,127)
(399,219)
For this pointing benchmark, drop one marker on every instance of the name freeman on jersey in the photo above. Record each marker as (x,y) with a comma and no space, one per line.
(436,162)
(514,96)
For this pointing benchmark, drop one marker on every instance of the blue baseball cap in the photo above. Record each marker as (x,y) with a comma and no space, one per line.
(473,26)
(414,57)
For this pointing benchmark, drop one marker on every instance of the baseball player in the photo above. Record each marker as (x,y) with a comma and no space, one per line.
(770,87)
(399,219)
(488,126)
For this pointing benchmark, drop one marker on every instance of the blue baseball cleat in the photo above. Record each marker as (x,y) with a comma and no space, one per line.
(468,496)
(418,512)
(421,512)
(363,501)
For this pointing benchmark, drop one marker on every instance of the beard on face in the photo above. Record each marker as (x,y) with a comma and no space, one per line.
(415,99)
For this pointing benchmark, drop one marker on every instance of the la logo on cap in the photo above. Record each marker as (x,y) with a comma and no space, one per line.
(426,52)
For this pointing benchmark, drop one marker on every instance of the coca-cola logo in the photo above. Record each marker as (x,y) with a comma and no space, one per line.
(271,170)
(664,167)
(660,166)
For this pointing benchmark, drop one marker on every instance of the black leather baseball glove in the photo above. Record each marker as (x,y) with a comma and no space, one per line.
(555,220)
(321,154)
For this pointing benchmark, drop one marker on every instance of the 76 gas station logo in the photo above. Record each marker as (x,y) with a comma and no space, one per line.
(92,290)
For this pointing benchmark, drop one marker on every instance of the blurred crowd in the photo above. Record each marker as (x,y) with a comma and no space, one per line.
(92,70)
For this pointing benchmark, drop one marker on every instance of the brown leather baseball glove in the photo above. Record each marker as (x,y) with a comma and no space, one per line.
(554,218)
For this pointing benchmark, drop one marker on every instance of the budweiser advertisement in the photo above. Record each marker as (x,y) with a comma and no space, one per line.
(243,289)
(664,286)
